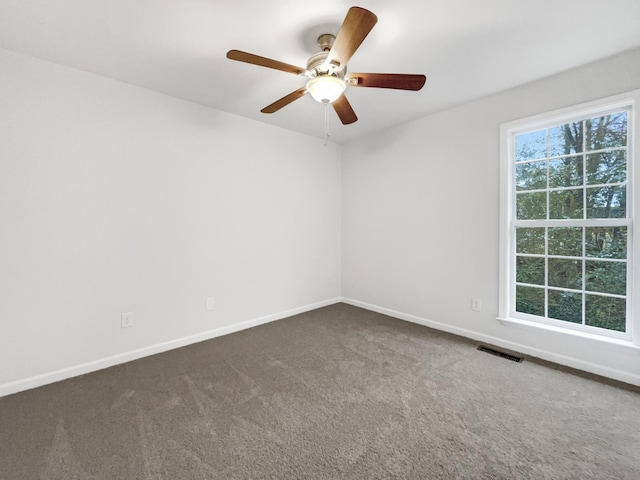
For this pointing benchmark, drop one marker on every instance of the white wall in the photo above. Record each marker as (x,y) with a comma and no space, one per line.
(421,217)
(117,199)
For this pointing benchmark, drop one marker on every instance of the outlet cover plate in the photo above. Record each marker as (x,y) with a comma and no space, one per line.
(211,303)
(126,320)
(476,304)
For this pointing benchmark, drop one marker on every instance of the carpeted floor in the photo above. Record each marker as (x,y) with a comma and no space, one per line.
(337,393)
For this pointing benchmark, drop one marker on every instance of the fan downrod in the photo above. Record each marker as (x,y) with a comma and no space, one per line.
(325,41)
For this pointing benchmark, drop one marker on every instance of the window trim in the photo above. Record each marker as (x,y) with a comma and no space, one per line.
(508,131)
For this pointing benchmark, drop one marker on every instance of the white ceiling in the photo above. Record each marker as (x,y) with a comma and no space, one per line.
(467,48)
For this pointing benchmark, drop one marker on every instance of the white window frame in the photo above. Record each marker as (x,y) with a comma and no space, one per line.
(508,132)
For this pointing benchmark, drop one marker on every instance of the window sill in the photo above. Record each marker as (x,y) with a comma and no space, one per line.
(526,324)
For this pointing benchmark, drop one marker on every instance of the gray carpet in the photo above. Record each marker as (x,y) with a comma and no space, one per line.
(337,393)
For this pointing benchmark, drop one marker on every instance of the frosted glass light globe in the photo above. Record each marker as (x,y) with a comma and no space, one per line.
(326,88)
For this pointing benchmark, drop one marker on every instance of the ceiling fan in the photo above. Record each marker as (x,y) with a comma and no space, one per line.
(327,70)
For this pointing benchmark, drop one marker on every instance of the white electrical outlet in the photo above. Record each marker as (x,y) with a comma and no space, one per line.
(126,320)
(211,303)
(476,304)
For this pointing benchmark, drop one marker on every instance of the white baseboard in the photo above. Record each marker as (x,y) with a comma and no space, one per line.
(616,374)
(65,373)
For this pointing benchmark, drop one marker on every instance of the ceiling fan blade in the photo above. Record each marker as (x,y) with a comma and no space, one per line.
(284,101)
(264,62)
(356,26)
(344,110)
(397,81)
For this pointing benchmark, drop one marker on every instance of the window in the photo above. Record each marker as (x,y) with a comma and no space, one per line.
(567,219)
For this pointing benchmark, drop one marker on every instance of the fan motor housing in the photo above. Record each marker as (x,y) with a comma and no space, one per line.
(316,65)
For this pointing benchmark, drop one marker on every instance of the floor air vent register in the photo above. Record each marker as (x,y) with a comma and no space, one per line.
(498,353)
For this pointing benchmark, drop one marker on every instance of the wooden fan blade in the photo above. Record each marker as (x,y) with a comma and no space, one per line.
(264,62)
(344,110)
(356,26)
(397,81)
(284,101)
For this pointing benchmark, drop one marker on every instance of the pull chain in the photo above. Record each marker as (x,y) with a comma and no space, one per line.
(326,123)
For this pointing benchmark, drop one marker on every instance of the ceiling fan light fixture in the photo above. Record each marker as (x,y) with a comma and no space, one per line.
(326,88)
(326,70)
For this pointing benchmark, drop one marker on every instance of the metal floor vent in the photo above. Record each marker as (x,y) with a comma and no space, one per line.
(498,353)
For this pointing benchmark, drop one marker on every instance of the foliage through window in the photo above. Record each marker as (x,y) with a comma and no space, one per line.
(569,224)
